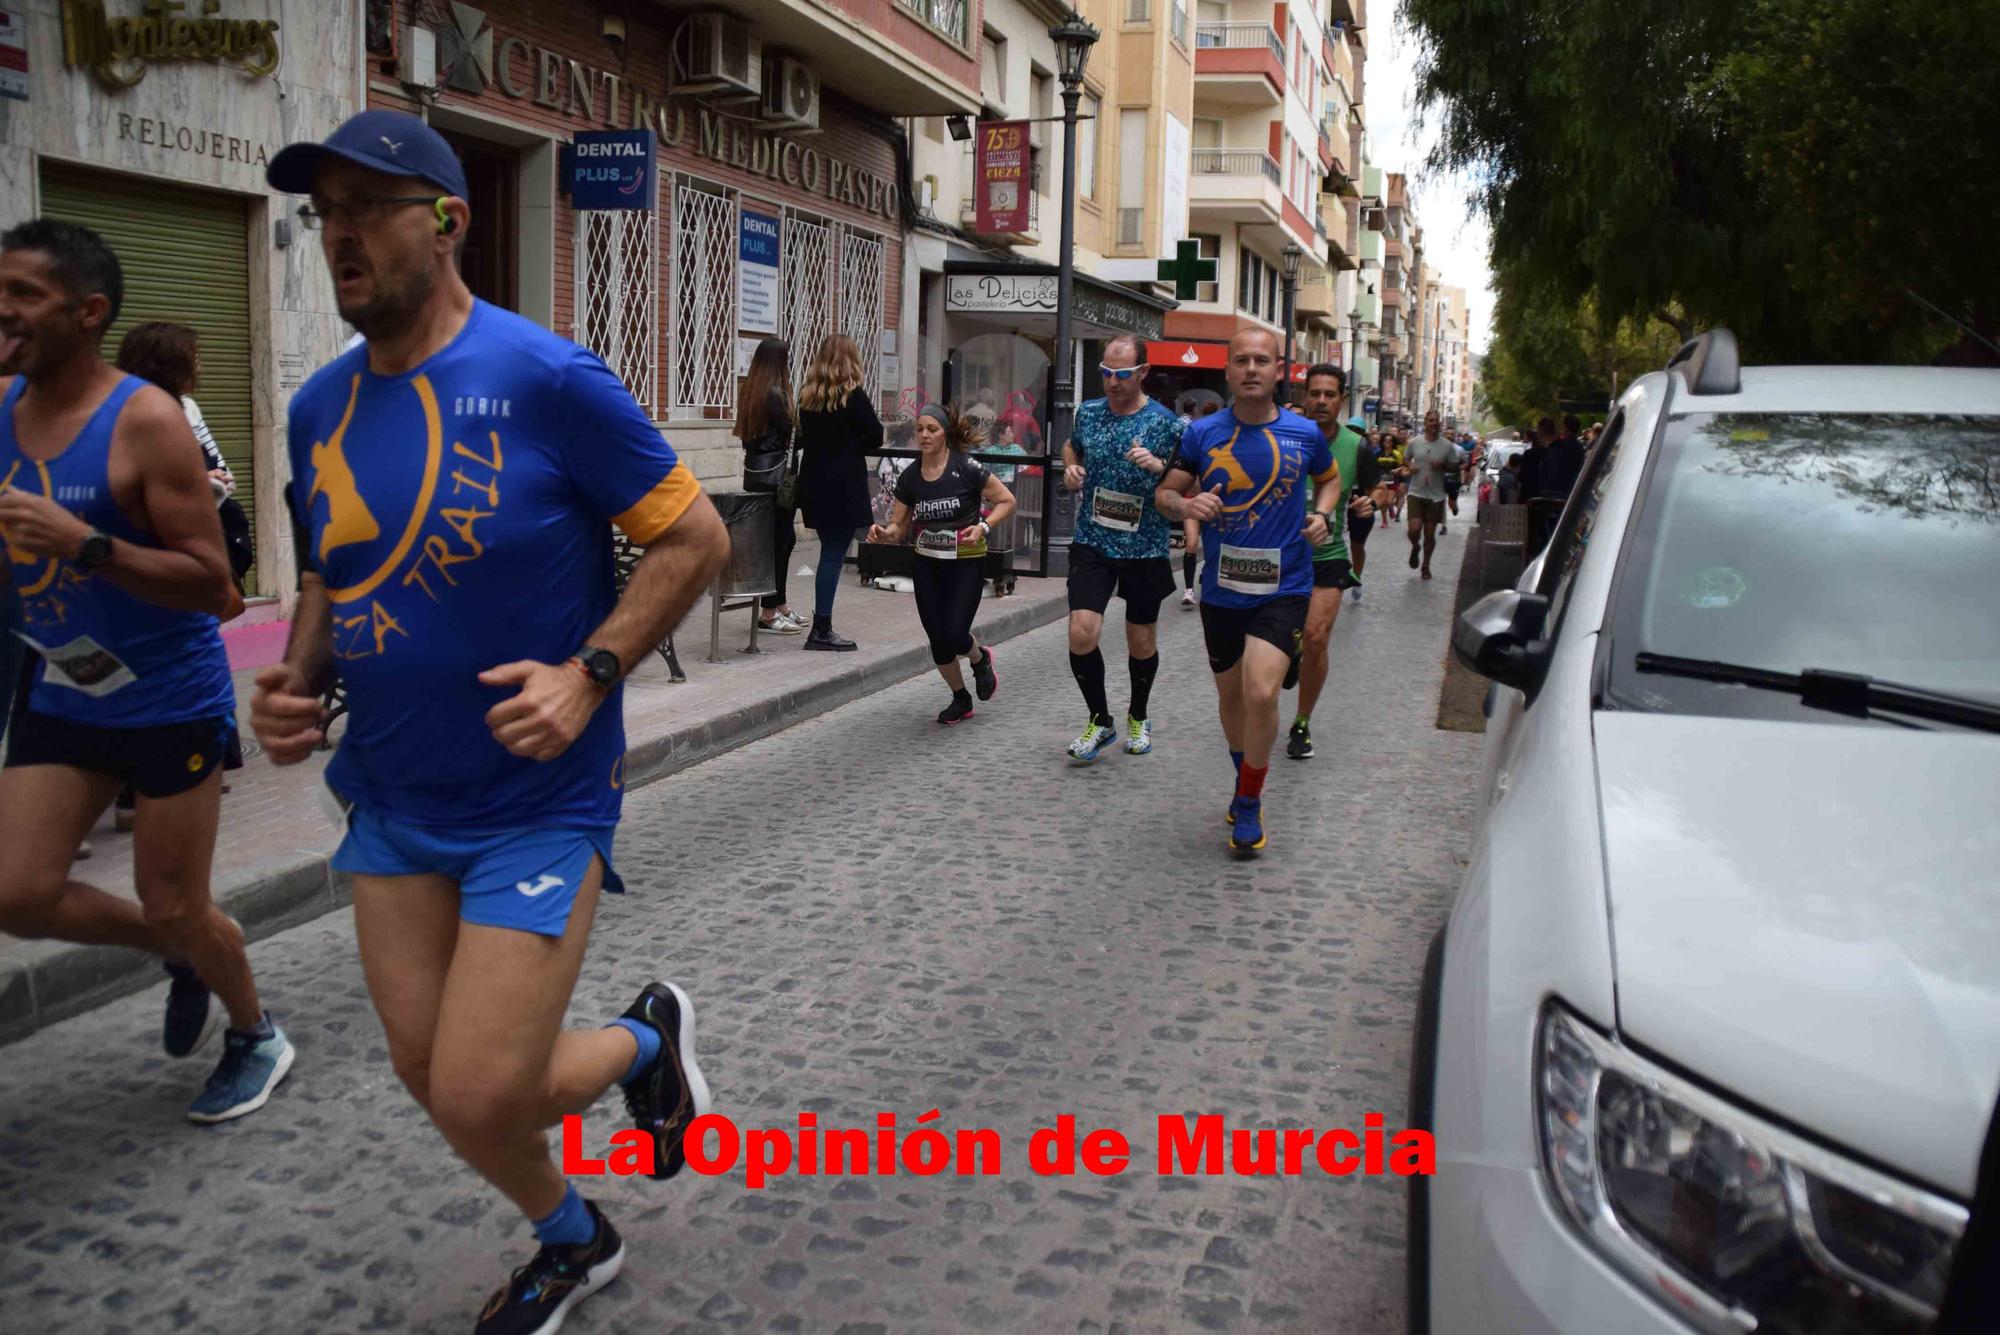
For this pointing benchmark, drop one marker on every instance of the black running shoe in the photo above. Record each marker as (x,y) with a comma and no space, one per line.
(984,679)
(192,1017)
(541,1293)
(1299,746)
(670,1093)
(1414,560)
(957,711)
(1292,673)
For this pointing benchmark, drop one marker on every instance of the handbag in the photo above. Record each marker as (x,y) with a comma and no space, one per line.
(764,462)
(787,496)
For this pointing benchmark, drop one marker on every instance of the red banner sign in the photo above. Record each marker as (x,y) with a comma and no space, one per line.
(1000,177)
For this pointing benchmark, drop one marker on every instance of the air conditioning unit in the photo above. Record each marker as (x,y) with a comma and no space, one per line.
(791,95)
(716,53)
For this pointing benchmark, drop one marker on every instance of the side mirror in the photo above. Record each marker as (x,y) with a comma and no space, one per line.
(1499,637)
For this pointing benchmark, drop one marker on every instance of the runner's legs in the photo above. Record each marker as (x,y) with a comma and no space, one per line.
(173,855)
(496,1067)
(1320,616)
(45,812)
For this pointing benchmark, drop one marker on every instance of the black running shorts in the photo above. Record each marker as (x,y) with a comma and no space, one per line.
(1144,583)
(1278,621)
(157,761)
(1335,574)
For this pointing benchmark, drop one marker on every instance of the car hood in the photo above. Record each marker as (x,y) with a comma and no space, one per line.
(1808,917)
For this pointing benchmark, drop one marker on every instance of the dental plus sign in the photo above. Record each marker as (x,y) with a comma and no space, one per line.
(1187,270)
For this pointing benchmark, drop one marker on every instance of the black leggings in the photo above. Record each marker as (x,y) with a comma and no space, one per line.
(947,600)
(1188,561)
(784,537)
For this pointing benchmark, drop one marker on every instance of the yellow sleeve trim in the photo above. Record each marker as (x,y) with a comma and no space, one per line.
(1332,472)
(659,508)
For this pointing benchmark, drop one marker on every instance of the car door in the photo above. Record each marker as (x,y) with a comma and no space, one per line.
(1552,574)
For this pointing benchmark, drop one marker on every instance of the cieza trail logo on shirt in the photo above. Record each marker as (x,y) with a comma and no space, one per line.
(398,536)
(45,583)
(1237,463)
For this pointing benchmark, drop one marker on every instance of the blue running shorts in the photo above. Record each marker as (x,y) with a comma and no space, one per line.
(526,880)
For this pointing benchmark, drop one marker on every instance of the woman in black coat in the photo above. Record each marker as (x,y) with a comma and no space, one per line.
(837,430)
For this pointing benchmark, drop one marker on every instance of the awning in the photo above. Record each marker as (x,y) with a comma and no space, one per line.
(1024,295)
(1208,356)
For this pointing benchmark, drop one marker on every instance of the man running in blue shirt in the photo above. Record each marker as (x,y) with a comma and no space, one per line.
(1247,475)
(454,483)
(1116,454)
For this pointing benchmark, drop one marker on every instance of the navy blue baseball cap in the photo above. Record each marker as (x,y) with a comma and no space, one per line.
(383,141)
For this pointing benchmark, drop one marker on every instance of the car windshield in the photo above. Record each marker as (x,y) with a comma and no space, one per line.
(1854,543)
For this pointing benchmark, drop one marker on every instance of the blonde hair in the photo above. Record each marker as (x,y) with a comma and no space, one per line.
(834,374)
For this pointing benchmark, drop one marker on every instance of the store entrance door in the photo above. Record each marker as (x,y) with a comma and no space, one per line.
(488,260)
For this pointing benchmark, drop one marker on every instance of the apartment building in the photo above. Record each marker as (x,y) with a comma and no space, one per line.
(986,303)
(1275,133)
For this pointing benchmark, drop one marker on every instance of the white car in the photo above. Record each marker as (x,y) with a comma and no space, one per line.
(1711,1039)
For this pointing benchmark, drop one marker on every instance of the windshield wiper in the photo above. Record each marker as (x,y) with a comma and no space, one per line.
(1840,692)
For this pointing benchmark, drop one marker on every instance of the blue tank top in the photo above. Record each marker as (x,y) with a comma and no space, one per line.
(108,658)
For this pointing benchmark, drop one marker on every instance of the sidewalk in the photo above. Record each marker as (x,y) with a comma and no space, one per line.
(271,859)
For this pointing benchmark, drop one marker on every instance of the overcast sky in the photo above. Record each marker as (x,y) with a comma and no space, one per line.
(1454,241)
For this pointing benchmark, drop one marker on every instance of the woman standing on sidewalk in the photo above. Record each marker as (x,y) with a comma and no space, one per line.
(939,495)
(764,425)
(837,428)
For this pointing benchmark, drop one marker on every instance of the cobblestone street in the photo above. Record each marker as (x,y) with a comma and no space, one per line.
(871,914)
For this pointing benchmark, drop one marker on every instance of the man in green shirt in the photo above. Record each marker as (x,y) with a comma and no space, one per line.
(1325,403)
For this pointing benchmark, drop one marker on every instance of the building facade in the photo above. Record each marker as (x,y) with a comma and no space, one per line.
(775,207)
(160,142)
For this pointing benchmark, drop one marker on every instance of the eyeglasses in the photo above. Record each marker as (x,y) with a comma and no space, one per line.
(1119,372)
(363,212)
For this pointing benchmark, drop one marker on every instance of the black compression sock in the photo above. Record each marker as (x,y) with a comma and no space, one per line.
(1143,672)
(1088,669)
(1187,569)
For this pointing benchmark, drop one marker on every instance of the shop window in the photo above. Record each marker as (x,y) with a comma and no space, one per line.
(618,297)
(806,287)
(704,301)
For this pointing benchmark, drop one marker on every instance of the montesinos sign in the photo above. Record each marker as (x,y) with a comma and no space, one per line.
(476,60)
(120,50)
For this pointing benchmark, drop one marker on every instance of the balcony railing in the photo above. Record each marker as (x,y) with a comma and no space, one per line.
(944,16)
(1238,35)
(1179,25)
(1131,226)
(1236,162)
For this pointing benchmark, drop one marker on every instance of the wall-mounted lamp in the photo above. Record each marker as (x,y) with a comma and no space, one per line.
(960,127)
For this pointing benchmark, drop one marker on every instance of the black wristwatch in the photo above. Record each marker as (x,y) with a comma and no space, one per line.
(95,553)
(1325,518)
(600,665)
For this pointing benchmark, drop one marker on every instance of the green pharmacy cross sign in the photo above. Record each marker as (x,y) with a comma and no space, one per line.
(1187,270)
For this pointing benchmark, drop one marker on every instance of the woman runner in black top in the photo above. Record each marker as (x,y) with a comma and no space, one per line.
(938,496)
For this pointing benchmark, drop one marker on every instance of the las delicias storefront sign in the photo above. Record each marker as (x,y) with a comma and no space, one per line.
(476,60)
(119,50)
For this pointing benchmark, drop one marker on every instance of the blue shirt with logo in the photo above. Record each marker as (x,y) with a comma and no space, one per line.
(1268,473)
(460,517)
(1113,483)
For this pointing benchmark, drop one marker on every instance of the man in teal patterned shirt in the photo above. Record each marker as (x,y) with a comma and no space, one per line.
(1116,454)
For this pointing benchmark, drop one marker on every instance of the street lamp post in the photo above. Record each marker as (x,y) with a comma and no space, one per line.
(1291,255)
(1073,38)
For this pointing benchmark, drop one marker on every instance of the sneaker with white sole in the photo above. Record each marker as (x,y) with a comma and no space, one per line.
(1091,742)
(538,1297)
(242,1081)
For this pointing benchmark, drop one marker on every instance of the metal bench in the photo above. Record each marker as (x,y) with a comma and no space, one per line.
(625,556)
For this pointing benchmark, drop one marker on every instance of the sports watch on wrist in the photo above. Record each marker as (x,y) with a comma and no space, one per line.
(600,665)
(95,553)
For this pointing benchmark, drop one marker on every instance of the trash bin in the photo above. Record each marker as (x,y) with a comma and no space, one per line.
(752,568)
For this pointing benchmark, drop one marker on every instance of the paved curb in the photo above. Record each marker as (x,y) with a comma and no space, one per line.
(51,981)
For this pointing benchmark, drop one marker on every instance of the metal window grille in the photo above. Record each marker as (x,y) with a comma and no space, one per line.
(861,302)
(946,16)
(704,300)
(618,295)
(806,288)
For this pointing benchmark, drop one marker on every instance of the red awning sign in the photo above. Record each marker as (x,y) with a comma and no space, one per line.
(1214,356)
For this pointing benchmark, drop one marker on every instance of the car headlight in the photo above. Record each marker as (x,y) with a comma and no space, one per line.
(1733,1222)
